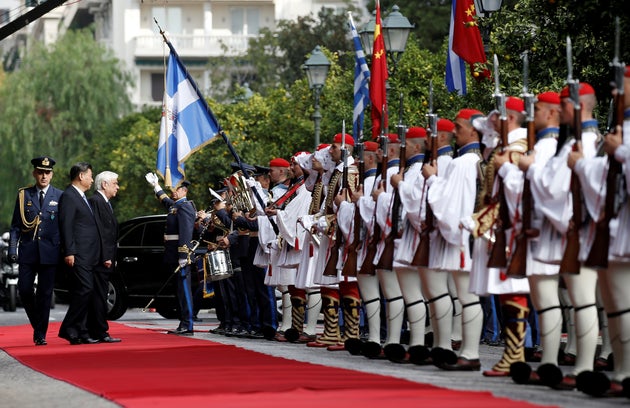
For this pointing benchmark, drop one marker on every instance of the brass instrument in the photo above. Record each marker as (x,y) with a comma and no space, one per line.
(239,195)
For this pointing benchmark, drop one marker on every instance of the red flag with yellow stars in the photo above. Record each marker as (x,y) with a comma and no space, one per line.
(378,78)
(467,41)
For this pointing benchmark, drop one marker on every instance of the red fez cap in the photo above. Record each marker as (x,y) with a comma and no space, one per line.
(585,89)
(468,114)
(416,132)
(514,103)
(322,146)
(370,146)
(393,138)
(549,97)
(279,162)
(348,138)
(445,125)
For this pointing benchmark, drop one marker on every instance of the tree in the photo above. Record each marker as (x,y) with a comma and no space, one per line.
(54,105)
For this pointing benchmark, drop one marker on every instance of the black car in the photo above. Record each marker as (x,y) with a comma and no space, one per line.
(139,273)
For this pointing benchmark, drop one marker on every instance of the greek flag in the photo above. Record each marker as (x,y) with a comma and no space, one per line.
(455,69)
(187,122)
(361,83)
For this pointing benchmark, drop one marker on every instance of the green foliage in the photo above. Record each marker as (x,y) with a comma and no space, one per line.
(55,104)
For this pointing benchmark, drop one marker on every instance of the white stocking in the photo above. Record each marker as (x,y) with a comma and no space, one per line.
(472,316)
(457,310)
(582,291)
(605,350)
(409,281)
(313,307)
(286,308)
(568,314)
(544,295)
(368,287)
(394,304)
(619,319)
(435,288)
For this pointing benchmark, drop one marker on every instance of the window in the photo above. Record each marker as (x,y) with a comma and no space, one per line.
(157,86)
(244,20)
(154,234)
(169,18)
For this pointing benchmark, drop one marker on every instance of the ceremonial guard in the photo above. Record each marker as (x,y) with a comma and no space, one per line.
(542,277)
(35,244)
(487,277)
(334,286)
(551,191)
(368,282)
(452,197)
(178,246)
(394,302)
(613,278)
(411,190)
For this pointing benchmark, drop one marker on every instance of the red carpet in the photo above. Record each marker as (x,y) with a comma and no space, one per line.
(154,369)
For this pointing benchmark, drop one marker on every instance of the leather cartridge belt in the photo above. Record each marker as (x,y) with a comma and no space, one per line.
(171,237)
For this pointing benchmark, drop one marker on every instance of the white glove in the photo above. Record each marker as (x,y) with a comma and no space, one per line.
(251,182)
(321,224)
(151,178)
(182,263)
(307,221)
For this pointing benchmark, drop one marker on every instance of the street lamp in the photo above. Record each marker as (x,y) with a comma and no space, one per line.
(486,7)
(396,29)
(316,68)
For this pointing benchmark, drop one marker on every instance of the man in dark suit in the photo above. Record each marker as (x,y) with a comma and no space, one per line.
(35,230)
(81,247)
(106,184)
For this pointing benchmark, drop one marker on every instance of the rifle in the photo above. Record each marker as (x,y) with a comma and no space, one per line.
(386,260)
(570,262)
(598,255)
(421,257)
(333,259)
(498,256)
(350,265)
(368,267)
(517,267)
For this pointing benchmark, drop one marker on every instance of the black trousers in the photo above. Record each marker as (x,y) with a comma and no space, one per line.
(36,301)
(97,314)
(256,290)
(82,285)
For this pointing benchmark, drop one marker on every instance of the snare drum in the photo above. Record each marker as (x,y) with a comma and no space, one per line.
(217,265)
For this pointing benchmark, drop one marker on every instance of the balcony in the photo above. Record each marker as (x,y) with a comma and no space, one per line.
(192,46)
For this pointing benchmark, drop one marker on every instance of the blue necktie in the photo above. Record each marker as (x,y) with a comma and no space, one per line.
(88,204)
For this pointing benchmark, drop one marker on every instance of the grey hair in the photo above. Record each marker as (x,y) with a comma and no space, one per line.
(104,176)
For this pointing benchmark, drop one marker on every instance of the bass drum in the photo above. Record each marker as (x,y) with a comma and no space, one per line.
(217,265)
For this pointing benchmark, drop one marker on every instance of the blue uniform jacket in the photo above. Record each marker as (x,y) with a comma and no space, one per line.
(180,221)
(40,245)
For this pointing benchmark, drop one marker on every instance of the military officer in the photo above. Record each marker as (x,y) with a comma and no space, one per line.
(35,231)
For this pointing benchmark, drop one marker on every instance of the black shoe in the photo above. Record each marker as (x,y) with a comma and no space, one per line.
(88,340)
(181,331)
(197,319)
(73,340)
(255,334)
(109,339)
(217,330)
(40,342)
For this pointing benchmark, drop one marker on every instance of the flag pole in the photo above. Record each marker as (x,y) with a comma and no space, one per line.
(216,123)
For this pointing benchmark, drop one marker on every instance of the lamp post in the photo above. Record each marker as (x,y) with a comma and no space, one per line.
(396,29)
(316,68)
(484,8)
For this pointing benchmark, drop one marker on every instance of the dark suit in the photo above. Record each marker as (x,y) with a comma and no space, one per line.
(79,237)
(108,231)
(38,253)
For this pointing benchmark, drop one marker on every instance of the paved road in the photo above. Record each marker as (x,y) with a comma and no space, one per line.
(22,387)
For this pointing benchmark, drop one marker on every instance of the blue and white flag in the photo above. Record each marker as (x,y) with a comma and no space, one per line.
(187,123)
(361,83)
(455,68)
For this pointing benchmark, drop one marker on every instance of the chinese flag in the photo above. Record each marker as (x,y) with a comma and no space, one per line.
(378,77)
(466,36)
